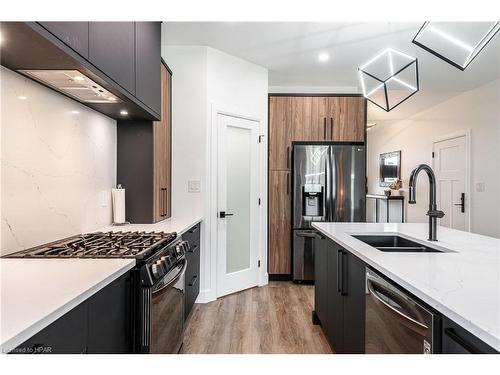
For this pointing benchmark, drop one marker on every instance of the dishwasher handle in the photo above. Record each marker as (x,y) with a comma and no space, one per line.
(378,291)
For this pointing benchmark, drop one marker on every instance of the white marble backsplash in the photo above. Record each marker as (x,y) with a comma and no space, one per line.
(58,165)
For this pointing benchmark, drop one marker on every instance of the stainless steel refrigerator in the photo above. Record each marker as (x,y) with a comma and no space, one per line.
(328,185)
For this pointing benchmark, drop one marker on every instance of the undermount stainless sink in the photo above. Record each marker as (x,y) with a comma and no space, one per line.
(395,244)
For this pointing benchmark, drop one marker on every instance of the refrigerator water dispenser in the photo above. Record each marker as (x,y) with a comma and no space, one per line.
(312,200)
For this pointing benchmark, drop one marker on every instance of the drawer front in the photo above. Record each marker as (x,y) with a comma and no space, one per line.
(192,235)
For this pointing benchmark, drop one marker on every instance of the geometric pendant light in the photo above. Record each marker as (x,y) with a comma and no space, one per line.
(457,43)
(390,78)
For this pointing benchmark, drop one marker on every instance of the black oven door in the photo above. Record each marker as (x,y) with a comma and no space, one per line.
(167,312)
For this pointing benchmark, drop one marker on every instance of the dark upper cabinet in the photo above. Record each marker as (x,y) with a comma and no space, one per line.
(340,296)
(147,68)
(74,34)
(112,50)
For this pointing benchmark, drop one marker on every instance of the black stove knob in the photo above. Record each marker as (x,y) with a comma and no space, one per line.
(156,270)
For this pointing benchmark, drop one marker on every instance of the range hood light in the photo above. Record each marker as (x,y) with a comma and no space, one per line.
(72,83)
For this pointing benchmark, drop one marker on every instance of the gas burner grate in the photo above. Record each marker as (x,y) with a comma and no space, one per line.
(102,245)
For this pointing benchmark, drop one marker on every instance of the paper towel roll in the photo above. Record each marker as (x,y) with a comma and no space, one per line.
(118,198)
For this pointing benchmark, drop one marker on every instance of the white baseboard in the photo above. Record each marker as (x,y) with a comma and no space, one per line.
(205,296)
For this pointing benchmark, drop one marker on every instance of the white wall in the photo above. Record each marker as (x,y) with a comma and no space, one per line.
(56,165)
(478,110)
(206,80)
(189,118)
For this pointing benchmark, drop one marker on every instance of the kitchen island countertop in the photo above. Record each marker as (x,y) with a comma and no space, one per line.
(463,283)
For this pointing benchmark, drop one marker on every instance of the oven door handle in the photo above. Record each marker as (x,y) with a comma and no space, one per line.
(404,319)
(174,280)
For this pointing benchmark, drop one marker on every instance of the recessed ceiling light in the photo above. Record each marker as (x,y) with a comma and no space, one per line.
(78,78)
(123,113)
(323,57)
(22,97)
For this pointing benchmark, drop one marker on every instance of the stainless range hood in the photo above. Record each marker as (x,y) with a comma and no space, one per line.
(74,84)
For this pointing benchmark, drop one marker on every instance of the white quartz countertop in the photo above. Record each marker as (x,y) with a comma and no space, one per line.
(36,292)
(463,284)
(174,224)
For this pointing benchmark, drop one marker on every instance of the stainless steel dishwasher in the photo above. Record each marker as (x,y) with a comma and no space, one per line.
(394,322)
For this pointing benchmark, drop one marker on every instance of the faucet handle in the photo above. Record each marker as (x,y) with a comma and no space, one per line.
(435,213)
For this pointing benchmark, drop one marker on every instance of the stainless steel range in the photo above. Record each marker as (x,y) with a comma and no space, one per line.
(157,279)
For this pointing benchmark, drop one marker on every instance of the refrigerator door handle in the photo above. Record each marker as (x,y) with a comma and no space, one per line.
(327,187)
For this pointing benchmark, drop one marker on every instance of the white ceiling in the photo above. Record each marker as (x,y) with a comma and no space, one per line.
(290,51)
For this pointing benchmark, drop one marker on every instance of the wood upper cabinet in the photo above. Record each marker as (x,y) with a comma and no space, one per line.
(309,118)
(280,259)
(74,34)
(280,132)
(347,116)
(112,50)
(162,151)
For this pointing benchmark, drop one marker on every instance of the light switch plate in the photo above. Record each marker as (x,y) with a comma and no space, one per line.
(480,187)
(194,186)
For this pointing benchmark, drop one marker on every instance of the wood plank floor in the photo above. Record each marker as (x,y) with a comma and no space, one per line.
(272,319)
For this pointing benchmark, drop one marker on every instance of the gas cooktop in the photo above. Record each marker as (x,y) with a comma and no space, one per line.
(138,245)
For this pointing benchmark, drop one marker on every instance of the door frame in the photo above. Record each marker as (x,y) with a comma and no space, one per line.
(468,187)
(209,260)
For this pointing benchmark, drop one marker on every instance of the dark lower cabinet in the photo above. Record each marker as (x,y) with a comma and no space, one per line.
(98,325)
(340,296)
(457,340)
(192,235)
(321,278)
(67,335)
(109,315)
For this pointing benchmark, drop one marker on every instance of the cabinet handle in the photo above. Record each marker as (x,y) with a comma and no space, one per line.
(288,157)
(163,202)
(324,128)
(193,280)
(288,183)
(450,332)
(340,277)
(166,201)
(344,274)
(331,128)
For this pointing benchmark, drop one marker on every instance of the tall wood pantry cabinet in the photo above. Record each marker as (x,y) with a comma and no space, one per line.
(144,161)
(312,118)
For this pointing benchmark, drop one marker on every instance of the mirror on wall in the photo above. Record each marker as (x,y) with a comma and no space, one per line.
(390,167)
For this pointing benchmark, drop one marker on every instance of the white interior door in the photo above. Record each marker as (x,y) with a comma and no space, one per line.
(450,167)
(237,234)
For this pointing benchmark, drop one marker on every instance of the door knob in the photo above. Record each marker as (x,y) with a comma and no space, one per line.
(223,214)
